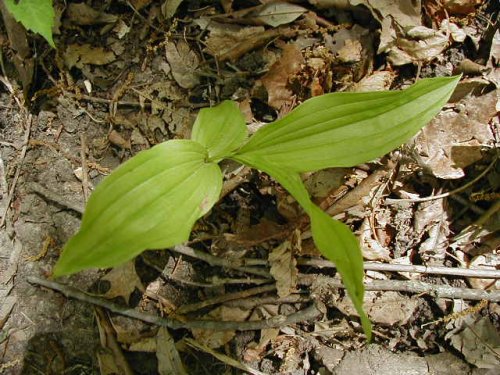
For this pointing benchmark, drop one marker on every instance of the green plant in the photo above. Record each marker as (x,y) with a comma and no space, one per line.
(35,15)
(153,200)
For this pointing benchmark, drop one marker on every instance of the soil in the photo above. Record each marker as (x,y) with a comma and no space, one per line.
(132,76)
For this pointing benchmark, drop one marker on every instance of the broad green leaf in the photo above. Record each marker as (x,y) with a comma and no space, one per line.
(334,239)
(346,129)
(35,15)
(220,129)
(149,202)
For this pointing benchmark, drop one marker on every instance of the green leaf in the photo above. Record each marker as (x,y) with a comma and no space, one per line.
(220,129)
(337,243)
(35,15)
(334,239)
(149,202)
(346,129)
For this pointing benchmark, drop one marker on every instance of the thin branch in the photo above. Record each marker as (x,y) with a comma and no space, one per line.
(413,286)
(383,267)
(224,298)
(216,261)
(222,357)
(309,313)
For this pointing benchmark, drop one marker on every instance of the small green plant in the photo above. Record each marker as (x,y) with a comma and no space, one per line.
(35,15)
(153,200)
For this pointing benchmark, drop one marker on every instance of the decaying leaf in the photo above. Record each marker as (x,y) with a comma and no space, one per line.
(80,54)
(223,37)
(284,268)
(486,262)
(215,339)
(479,343)
(276,79)
(392,15)
(419,43)
(453,140)
(277,13)
(84,15)
(123,280)
(184,63)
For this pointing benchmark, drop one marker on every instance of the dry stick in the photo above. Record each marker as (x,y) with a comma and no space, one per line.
(412,286)
(215,261)
(224,298)
(372,266)
(309,313)
(18,170)
(444,195)
(222,357)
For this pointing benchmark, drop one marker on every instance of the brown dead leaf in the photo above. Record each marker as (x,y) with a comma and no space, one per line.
(276,79)
(215,339)
(453,140)
(284,268)
(79,55)
(184,63)
(123,280)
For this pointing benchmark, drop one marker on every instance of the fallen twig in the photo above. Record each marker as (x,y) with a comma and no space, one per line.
(309,313)
(413,286)
(224,298)
(384,267)
(216,261)
(222,357)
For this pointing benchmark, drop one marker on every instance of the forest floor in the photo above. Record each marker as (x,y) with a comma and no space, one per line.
(129,74)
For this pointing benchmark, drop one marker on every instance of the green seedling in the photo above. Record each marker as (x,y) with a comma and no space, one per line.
(153,200)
